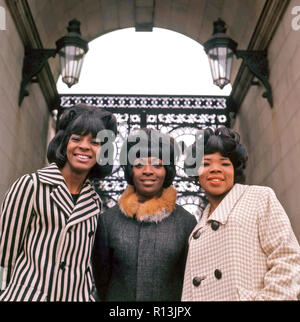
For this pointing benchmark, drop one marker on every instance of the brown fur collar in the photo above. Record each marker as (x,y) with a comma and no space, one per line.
(153,210)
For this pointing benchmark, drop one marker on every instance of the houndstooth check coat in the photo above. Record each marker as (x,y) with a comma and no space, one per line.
(245,250)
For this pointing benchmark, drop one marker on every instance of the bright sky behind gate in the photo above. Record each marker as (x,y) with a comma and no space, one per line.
(161,62)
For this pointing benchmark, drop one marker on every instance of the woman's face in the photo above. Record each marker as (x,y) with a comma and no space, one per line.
(81,153)
(216,175)
(148,177)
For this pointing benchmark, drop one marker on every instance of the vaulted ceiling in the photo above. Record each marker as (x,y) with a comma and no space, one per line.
(193,18)
(42,22)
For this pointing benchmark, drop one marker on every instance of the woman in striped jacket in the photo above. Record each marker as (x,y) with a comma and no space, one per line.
(48,218)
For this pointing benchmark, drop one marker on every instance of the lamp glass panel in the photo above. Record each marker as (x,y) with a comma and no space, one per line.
(220,61)
(71,59)
(213,63)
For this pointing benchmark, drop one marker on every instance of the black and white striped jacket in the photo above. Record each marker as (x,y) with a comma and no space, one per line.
(46,240)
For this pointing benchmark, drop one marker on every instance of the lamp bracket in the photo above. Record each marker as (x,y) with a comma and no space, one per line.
(257,62)
(33,62)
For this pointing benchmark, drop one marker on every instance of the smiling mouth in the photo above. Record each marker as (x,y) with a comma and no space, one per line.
(82,157)
(215,181)
(148,181)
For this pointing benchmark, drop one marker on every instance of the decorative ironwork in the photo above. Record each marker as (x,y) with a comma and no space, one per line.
(257,62)
(180,116)
(34,61)
(147,101)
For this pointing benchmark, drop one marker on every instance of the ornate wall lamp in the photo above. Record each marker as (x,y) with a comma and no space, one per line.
(71,49)
(220,50)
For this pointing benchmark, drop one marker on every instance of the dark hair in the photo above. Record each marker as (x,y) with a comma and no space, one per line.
(223,140)
(81,119)
(147,142)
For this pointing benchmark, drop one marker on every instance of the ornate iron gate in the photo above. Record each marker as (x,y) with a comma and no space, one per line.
(180,116)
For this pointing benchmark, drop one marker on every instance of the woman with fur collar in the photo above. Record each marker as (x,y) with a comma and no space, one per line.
(141,243)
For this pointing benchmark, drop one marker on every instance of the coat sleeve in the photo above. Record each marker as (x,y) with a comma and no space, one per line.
(101,259)
(15,216)
(282,280)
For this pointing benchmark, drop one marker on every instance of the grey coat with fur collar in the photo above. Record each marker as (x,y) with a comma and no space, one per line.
(142,259)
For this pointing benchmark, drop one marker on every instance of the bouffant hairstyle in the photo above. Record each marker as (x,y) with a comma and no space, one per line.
(147,142)
(223,140)
(81,119)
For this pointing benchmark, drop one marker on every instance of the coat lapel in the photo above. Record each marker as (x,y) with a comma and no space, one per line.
(88,203)
(224,209)
(60,194)
(63,199)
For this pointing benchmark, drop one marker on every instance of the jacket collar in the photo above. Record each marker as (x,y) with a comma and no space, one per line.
(222,212)
(153,210)
(51,175)
(88,203)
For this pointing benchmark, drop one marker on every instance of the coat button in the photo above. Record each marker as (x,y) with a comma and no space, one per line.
(62,265)
(214,225)
(91,234)
(197,281)
(218,274)
(196,234)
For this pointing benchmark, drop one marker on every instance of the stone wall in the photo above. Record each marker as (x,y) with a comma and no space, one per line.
(23,130)
(272,136)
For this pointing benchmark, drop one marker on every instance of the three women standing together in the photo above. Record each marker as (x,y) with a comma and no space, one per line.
(146,248)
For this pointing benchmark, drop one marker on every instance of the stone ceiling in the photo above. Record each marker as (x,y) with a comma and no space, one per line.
(193,18)
(251,23)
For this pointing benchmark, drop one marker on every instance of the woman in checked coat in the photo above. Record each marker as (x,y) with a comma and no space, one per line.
(243,248)
(49,218)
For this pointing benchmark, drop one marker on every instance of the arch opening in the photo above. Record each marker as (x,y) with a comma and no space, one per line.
(161,62)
